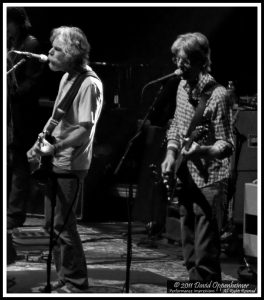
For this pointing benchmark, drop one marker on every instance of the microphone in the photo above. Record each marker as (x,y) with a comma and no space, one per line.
(41,57)
(176,73)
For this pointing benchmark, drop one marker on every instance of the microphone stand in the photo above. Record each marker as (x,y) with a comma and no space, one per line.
(130,192)
(47,288)
(50,175)
(16,65)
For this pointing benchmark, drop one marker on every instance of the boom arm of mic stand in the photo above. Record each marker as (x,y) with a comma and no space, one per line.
(130,143)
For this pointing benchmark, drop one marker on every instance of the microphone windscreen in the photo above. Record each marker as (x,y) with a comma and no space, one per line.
(43,58)
(178,72)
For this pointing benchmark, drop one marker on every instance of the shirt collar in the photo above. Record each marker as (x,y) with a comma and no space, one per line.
(198,88)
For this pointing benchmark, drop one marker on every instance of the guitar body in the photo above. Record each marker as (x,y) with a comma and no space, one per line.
(44,169)
(197,130)
(173,183)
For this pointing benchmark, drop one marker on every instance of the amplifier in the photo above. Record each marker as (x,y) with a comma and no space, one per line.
(245,156)
(250,220)
(243,177)
(246,136)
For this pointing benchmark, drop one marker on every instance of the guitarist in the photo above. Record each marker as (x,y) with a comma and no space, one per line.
(23,92)
(71,152)
(206,166)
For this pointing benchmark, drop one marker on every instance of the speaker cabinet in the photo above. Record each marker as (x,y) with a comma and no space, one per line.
(246,140)
(244,160)
(250,220)
(243,178)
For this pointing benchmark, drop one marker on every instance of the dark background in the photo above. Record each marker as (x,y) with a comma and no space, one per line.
(133,43)
(137,39)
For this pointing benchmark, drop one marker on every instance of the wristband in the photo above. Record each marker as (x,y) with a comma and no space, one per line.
(174,149)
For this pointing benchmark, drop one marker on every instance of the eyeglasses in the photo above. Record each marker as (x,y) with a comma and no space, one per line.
(181,61)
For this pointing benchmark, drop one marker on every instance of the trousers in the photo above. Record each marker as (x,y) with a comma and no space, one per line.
(18,189)
(63,188)
(201,215)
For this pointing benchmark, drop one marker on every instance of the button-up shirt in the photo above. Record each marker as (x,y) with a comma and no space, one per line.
(218,111)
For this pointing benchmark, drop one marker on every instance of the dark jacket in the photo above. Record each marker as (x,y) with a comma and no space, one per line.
(23,101)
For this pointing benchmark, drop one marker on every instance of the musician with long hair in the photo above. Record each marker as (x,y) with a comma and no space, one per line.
(72,126)
(201,138)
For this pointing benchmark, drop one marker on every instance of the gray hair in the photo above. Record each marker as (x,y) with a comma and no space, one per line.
(76,43)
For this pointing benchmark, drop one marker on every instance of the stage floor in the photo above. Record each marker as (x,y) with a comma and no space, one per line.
(105,245)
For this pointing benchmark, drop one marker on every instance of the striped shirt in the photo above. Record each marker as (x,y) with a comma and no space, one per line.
(204,171)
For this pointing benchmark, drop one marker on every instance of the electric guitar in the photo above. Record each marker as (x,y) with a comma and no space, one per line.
(41,173)
(172,182)
(198,136)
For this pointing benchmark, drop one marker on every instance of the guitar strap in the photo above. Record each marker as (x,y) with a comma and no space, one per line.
(67,101)
(197,120)
(42,173)
(206,94)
